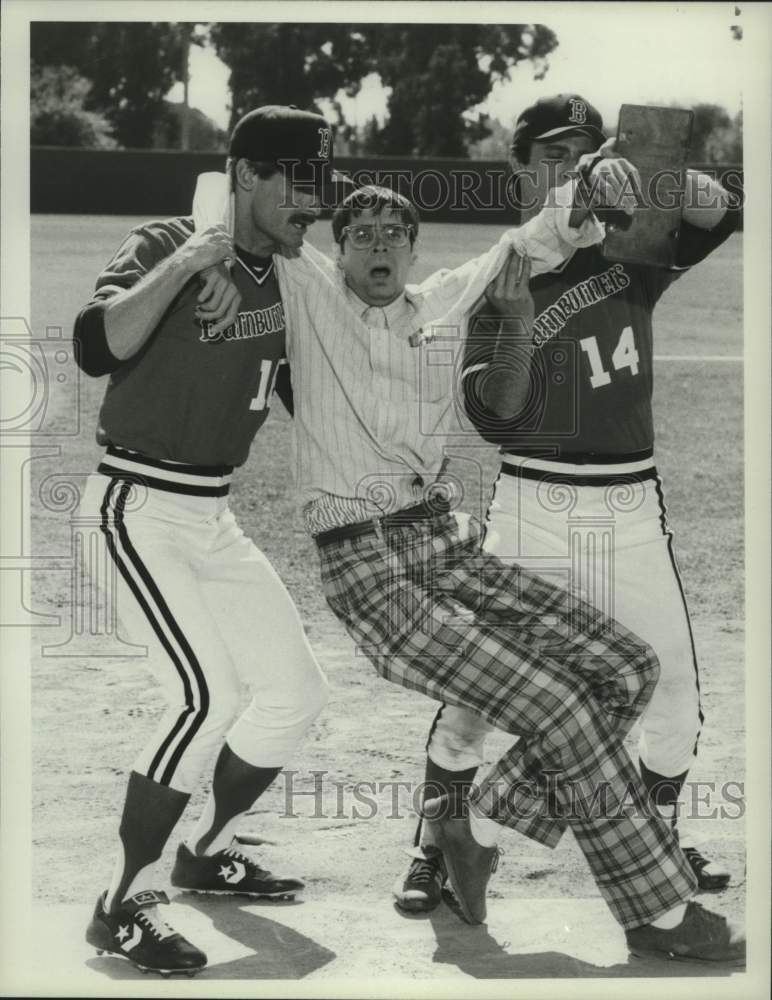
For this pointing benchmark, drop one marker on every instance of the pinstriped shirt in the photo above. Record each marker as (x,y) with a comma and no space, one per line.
(372,412)
(370,416)
(388,328)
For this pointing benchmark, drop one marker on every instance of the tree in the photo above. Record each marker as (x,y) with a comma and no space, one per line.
(290,63)
(57,111)
(716,137)
(370,132)
(131,66)
(203,133)
(437,72)
(707,119)
(725,143)
(496,145)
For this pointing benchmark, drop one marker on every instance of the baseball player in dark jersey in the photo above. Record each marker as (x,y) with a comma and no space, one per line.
(578,500)
(193,364)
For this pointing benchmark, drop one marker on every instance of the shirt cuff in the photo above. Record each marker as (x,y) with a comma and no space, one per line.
(212,201)
(547,239)
(589,232)
(92,353)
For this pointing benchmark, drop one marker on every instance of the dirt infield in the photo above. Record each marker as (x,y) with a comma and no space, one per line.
(342,815)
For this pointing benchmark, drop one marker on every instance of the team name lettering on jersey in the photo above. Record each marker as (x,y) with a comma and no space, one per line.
(257,323)
(594,289)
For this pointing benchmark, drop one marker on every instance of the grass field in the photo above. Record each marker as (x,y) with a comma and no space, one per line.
(83,710)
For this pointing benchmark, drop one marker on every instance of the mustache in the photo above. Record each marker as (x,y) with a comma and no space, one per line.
(306,218)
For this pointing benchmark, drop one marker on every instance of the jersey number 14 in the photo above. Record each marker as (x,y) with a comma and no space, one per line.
(624,356)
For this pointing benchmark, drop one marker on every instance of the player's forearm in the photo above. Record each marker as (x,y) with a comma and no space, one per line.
(505,389)
(705,201)
(503,393)
(131,316)
(497,387)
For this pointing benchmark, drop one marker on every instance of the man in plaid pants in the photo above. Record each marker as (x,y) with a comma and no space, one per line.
(406,574)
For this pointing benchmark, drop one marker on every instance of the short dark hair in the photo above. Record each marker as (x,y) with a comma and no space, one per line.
(264,170)
(521,151)
(376,199)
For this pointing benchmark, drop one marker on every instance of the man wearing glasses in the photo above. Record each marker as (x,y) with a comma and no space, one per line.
(408,578)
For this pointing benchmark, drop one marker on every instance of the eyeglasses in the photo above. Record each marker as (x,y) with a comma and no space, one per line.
(393,235)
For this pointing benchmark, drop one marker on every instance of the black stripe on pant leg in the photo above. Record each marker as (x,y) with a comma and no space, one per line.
(669,535)
(487,522)
(149,614)
(183,643)
(155,624)
(152,619)
(434,725)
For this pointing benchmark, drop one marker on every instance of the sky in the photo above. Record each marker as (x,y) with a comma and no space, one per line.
(635,53)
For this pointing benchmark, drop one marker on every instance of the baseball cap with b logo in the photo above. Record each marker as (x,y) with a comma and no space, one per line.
(559,115)
(298,142)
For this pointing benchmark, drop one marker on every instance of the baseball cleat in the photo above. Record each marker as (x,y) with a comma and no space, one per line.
(711,877)
(230,873)
(419,889)
(701,936)
(136,932)
(469,865)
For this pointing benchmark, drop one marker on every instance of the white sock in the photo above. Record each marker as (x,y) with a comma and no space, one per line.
(667,812)
(427,840)
(670,919)
(224,837)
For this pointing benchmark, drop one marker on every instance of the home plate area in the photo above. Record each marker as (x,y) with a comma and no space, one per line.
(335,937)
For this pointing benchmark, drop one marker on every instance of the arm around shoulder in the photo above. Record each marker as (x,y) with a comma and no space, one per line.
(134,292)
(130,316)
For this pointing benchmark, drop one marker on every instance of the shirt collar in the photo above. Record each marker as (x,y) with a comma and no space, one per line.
(396,313)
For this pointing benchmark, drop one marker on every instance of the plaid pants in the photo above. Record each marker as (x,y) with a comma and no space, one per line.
(436,614)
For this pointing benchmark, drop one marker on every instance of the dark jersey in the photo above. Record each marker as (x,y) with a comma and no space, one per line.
(188,395)
(591,374)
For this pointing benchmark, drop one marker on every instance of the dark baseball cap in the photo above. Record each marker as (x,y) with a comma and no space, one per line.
(559,115)
(299,142)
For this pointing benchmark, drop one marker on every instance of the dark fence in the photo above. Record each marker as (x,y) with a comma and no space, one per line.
(161,182)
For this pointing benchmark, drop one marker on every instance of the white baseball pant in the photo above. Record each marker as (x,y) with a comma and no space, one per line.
(610,543)
(212,612)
